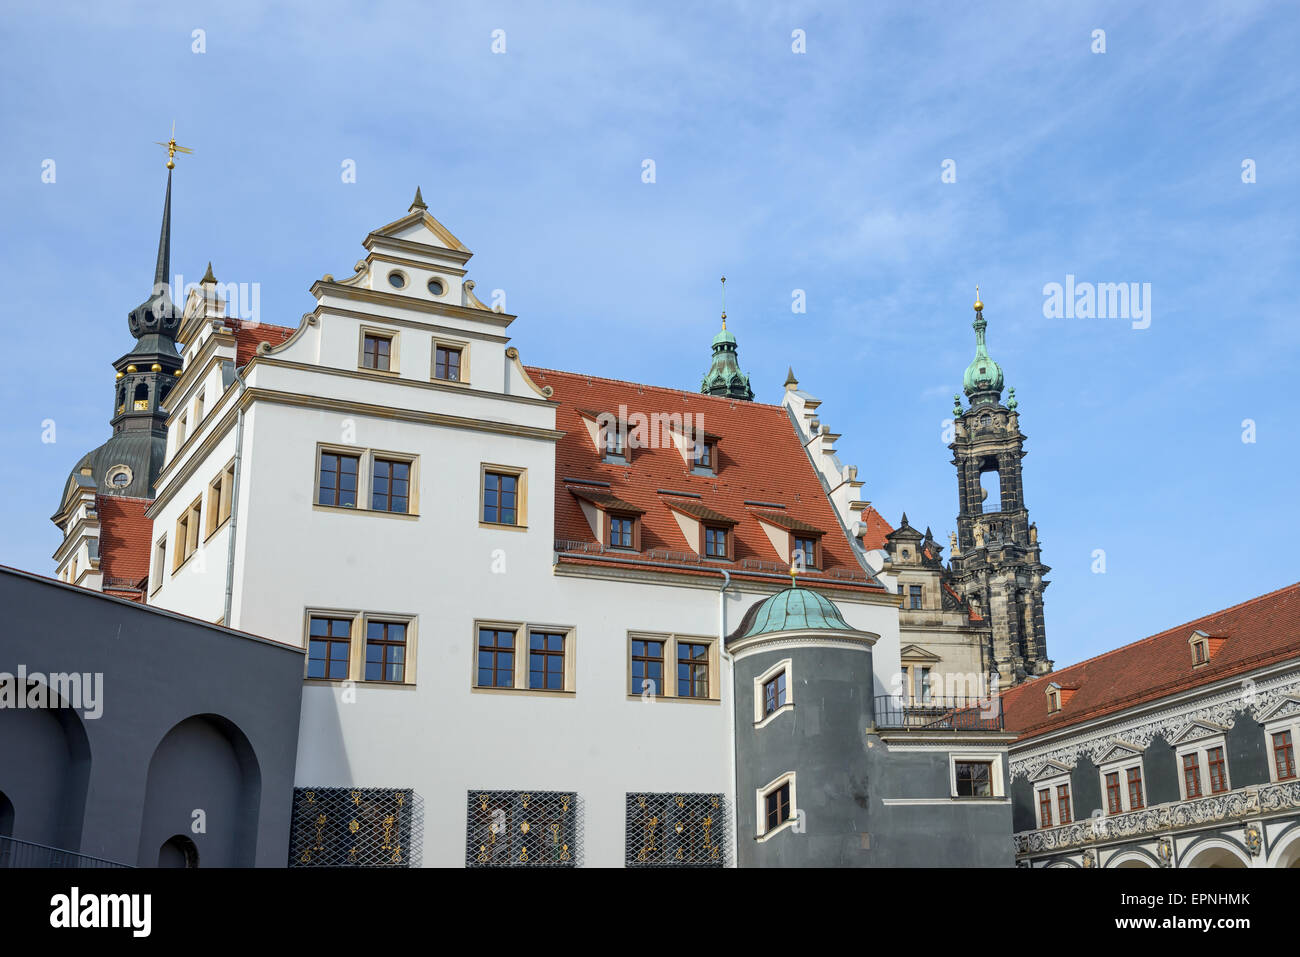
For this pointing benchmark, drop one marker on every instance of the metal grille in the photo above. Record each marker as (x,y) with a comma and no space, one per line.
(355,827)
(522,829)
(676,830)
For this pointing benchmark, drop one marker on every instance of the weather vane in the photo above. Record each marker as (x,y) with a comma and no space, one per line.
(724,302)
(172,148)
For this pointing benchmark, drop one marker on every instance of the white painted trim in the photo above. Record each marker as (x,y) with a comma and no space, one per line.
(786,665)
(760,795)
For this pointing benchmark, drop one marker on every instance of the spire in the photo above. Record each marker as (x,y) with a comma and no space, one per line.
(208,278)
(983,378)
(418,202)
(790,381)
(163,269)
(724,377)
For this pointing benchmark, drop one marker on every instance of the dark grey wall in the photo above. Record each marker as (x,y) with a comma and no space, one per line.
(1085,788)
(1247,752)
(843,775)
(194,716)
(1160,772)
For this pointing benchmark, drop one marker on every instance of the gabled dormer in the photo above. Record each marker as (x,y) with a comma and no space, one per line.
(616,524)
(1059,695)
(1204,646)
(796,542)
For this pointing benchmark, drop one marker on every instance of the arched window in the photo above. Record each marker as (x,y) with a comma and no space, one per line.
(141,399)
(178,851)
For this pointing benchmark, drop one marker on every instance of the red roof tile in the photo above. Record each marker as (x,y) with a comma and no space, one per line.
(760,459)
(1259,632)
(876,529)
(249,335)
(124,540)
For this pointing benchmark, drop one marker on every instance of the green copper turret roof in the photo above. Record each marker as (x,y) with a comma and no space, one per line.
(795,609)
(983,379)
(724,377)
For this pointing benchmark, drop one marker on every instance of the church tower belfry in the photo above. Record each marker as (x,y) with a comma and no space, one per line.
(997,566)
(724,377)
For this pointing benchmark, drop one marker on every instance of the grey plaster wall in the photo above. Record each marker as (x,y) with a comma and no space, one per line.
(195,716)
(843,775)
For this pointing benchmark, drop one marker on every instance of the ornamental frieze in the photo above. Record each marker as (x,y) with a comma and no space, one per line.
(1255,697)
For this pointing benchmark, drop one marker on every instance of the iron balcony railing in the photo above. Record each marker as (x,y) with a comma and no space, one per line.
(939,714)
(15,853)
(571,546)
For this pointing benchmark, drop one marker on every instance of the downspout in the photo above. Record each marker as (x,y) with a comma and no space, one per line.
(234,501)
(731,711)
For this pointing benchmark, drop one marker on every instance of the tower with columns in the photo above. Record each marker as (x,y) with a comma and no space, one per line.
(997,567)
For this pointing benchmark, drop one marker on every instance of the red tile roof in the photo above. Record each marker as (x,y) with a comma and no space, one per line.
(124,540)
(1259,632)
(760,461)
(877,529)
(249,335)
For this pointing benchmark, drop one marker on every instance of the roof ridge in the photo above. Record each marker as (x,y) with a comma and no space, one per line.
(658,388)
(1159,634)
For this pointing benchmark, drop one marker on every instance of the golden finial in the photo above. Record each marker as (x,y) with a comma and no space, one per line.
(172,148)
(794,575)
(724,302)
(979,306)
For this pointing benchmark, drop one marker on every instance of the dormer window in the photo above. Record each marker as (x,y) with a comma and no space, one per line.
(1203,646)
(624,532)
(717,540)
(1053,701)
(1058,696)
(706,456)
(805,552)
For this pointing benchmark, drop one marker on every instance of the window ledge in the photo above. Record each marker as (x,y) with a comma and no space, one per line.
(784,825)
(358,682)
(217,529)
(363,511)
(768,719)
(502,525)
(664,697)
(534,692)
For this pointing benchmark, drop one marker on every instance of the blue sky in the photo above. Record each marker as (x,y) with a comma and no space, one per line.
(818,171)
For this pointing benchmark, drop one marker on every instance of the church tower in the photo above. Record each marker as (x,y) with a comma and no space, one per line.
(997,565)
(724,377)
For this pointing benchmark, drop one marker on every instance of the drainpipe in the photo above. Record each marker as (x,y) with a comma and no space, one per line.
(234,501)
(731,709)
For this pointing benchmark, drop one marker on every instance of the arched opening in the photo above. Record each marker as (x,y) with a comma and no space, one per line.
(6,816)
(1287,852)
(1130,859)
(44,770)
(140,400)
(204,781)
(178,851)
(1216,853)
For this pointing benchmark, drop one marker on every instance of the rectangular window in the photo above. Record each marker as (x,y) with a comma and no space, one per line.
(1198,653)
(1218,770)
(446,364)
(391,488)
(676,830)
(621,528)
(198,408)
(187,534)
(647,667)
(1063,802)
(715,541)
(974,779)
(1192,775)
(805,551)
(1135,802)
(353,827)
(522,829)
(1045,807)
(496,658)
(220,494)
(1114,801)
(776,807)
(377,352)
(338,479)
(329,647)
(774,693)
(921,694)
(692,670)
(500,504)
(159,557)
(704,456)
(385,651)
(914,596)
(545,661)
(1283,756)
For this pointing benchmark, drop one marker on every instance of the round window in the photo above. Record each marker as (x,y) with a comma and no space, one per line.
(436,287)
(119,476)
(396,280)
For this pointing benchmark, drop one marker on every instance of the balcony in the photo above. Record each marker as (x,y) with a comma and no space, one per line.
(939,714)
(15,853)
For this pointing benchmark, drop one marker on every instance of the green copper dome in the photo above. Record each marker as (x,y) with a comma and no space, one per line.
(724,336)
(983,376)
(795,609)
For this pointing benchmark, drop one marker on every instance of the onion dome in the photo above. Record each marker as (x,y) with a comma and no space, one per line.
(983,379)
